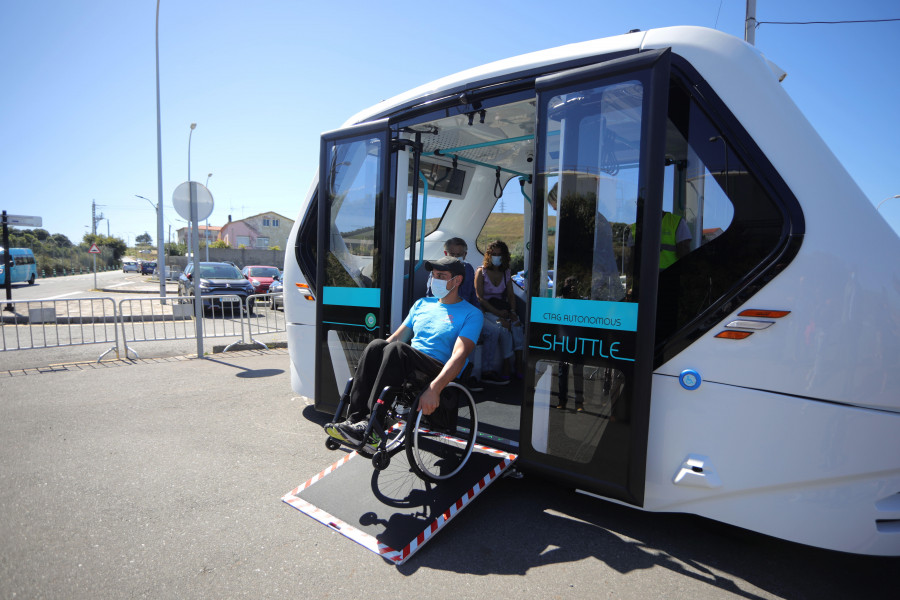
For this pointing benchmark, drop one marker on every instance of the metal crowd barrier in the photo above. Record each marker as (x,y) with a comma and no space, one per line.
(37,324)
(149,320)
(265,318)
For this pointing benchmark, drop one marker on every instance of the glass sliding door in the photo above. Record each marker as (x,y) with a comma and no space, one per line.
(353,253)
(591,312)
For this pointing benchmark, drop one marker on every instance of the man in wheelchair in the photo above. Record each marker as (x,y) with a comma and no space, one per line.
(441,331)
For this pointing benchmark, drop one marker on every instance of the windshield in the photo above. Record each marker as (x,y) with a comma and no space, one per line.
(219,272)
(263,272)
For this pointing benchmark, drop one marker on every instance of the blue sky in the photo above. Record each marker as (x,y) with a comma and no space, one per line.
(263,79)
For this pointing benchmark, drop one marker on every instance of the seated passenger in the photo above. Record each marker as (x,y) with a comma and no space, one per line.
(502,329)
(457,248)
(442,330)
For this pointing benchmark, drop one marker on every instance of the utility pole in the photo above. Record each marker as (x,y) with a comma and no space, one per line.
(750,23)
(95,219)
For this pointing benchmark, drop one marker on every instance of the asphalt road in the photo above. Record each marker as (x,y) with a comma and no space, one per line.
(163,478)
(82,286)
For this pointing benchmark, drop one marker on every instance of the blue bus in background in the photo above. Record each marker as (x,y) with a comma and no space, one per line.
(23,266)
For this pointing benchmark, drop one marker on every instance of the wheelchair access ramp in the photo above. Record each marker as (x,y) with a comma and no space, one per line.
(393,512)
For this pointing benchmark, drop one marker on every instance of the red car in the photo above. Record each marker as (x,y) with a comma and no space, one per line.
(261,277)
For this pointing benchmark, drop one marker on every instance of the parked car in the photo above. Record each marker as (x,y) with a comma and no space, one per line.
(130,266)
(147,267)
(221,286)
(277,291)
(261,277)
(172,272)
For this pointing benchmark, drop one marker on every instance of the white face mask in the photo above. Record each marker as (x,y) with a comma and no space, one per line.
(496,260)
(439,288)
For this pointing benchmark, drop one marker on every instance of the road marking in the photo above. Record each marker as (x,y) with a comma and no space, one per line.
(62,296)
(121,284)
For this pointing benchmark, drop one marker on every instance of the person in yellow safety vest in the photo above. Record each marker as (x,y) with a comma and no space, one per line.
(675,239)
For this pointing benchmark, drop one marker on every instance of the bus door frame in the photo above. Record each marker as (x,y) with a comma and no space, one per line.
(327,388)
(653,70)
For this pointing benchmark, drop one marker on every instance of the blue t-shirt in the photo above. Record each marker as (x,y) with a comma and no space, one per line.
(436,326)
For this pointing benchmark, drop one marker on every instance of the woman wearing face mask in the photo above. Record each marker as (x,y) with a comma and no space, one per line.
(493,285)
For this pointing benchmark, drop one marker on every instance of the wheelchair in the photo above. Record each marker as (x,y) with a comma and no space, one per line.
(437,446)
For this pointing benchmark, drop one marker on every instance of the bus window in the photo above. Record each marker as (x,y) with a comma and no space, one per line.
(507,223)
(712,197)
(592,191)
(434,209)
(351,243)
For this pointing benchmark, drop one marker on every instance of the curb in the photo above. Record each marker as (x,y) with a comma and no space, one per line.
(23,320)
(132,291)
(235,347)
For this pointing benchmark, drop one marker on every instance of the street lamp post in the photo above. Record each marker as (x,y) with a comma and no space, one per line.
(190,135)
(195,250)
(206,234)
(160,249)
(886,199)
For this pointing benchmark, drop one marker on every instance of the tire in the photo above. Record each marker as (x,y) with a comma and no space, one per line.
(381,460)
(332,444)
(438,446)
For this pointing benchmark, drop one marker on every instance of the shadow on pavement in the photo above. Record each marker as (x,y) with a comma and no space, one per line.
(529,523)
(246,373)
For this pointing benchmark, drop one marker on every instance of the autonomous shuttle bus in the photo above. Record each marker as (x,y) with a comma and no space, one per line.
(712,306)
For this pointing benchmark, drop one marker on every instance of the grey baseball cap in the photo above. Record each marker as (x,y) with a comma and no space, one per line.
(446,263)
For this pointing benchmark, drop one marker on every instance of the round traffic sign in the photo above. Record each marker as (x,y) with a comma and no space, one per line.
(181,199)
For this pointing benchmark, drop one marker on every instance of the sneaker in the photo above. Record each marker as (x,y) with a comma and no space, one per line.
(347,432)
(371,446)
(474,385)
(494,379)
(331,429)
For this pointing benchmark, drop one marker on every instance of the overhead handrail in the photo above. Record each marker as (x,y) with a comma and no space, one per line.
(523,138)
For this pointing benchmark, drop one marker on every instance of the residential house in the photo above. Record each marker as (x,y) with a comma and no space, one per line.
(259,231)
(208,234)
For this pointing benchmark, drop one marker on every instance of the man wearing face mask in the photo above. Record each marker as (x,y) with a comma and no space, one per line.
(457,248)
(441,331)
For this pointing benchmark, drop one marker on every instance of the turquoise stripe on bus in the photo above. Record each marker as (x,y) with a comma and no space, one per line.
(348,296)
(598,314)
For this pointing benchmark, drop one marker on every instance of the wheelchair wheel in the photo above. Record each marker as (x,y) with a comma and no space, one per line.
(332,444)
(381,460)
(438,445)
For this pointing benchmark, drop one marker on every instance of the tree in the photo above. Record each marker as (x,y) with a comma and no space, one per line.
(144,238)
(61,240)
(176,249)
(219,244)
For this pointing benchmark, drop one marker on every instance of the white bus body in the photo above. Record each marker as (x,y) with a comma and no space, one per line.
(764,391)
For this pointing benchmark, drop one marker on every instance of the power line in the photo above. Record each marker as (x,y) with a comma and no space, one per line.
(823,22)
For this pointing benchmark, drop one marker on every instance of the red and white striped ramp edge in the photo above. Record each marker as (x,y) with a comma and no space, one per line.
(369,542)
